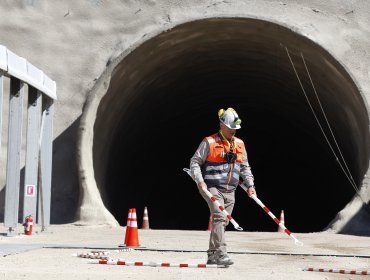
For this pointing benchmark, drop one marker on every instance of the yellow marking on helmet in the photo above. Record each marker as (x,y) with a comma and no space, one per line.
(220,112)
(230,109)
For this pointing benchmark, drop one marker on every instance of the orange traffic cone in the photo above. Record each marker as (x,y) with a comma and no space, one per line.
(145,224)
(128,225)
(133,236)
(210,223)
(280,229)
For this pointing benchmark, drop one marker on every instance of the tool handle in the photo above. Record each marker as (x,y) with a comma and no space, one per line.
(259,202)
(222,209)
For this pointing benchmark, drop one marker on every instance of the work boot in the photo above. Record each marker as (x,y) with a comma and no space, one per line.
(224,260)
(211,259)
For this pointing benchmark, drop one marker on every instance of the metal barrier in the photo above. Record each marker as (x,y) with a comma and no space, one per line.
(40,110)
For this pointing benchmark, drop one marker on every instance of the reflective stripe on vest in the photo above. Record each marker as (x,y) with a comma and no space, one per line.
(216,171)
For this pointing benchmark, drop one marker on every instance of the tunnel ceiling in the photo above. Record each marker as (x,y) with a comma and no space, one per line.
(163,99)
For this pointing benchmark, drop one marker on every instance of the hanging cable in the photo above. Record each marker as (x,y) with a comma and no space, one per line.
(349,177)
(328,124)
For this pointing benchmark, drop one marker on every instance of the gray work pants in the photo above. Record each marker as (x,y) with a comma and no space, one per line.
(217,243)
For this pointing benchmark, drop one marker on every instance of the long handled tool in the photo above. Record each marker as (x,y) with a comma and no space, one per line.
(155,264)
(259,202)
(342,271)
(222,209)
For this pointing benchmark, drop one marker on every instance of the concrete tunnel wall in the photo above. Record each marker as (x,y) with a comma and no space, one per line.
(161,98)
(83,44)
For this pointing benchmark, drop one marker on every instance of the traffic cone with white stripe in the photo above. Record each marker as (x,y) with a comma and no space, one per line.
(280,229)
(133,233)
(145,224)
(128,225)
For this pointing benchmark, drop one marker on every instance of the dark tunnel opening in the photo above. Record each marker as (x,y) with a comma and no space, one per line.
(163,100)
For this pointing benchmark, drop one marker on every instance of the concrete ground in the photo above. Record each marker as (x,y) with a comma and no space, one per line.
(257,255)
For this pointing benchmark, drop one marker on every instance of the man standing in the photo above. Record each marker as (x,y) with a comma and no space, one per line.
(217,165)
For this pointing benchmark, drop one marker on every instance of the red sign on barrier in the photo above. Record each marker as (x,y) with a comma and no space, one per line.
(30,190)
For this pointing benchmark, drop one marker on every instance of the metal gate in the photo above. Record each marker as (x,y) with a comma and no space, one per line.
(41,92)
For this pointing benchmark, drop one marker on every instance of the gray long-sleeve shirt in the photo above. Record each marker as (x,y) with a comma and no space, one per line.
(200,157)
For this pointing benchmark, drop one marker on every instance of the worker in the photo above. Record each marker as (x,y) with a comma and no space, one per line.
(217,165)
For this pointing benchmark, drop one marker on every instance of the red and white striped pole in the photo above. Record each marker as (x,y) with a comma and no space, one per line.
(342,271)
(219,206)
(259,202)
(154,264)
(222,209)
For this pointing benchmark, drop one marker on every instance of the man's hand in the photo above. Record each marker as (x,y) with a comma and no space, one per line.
(251,191)
(202,186)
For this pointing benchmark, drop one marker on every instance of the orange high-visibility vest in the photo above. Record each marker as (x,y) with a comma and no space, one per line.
(217,172)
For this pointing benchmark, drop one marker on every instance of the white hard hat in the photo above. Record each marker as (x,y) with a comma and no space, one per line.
(230,118)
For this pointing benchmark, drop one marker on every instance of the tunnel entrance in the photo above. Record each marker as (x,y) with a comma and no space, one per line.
(163,100)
